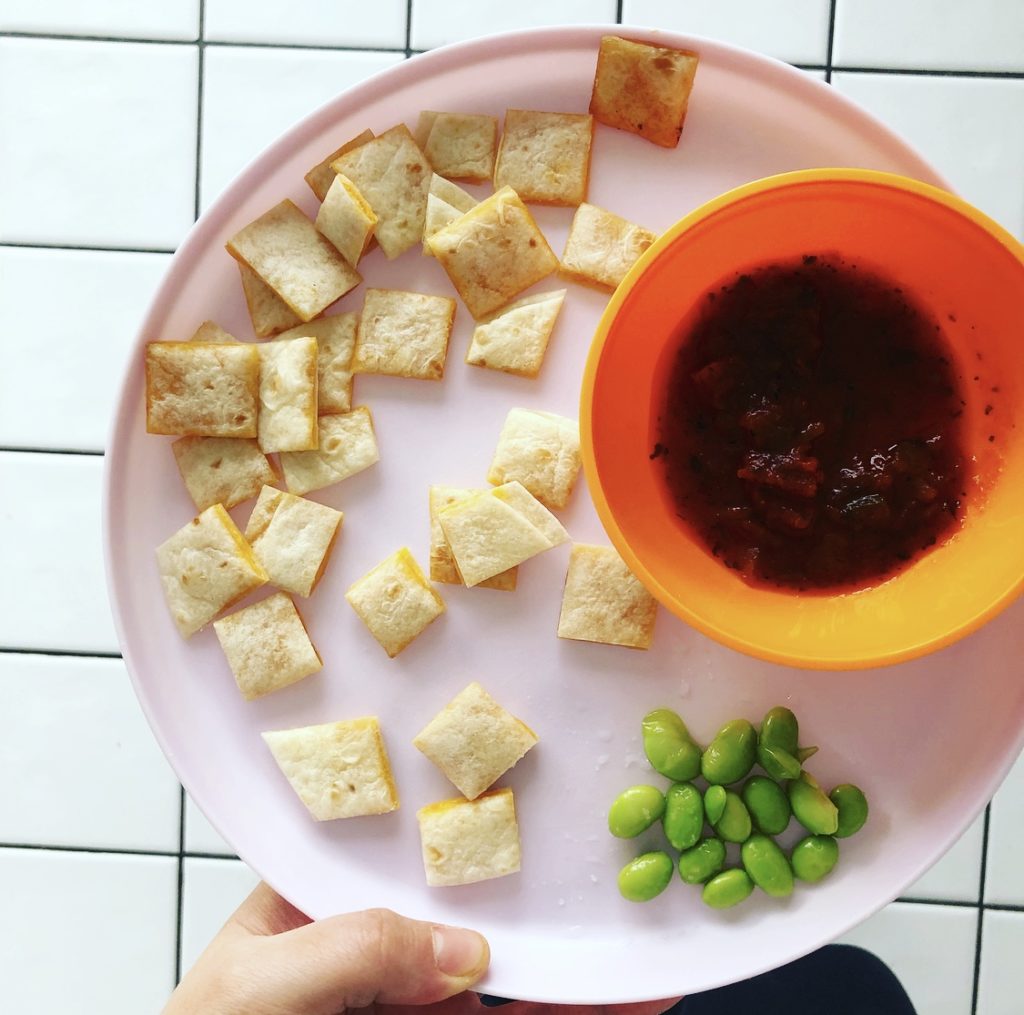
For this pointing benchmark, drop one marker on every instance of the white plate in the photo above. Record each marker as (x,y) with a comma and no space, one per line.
(928,741)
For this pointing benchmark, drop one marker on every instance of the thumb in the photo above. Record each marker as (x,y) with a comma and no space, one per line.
(354,960)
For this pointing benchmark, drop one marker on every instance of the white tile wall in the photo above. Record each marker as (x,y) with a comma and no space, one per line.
(99,146)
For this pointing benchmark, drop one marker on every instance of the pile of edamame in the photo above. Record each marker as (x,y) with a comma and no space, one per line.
(750,815)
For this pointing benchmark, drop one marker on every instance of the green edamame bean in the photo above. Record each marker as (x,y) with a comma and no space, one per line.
(767,866)
(768,805)
(684,815)
(703,861)
(727,889)
(811,807)
(780,728)
(730,756)
(779,764)
(634,810)
(734,824)
(814,857)
(714,803)
(853,809)
(669,747)
(645,877)
(803,753)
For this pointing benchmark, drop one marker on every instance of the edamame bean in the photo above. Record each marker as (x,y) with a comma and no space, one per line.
(811,807)
(700,862)
(767,866)
(853,809)
(803,753)
(734,824)
(780,728)
(814,857)
(768,805)
(714,803)
(779,764)
(645,877)
(669,747)
(727,889)
(634,810)
(684,815)
(730,756)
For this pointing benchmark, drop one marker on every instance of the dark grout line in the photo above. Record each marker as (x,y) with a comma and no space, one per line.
(926,72)
(408,29)
(91,850)
(65,37)
(831,40)
(925,901)
(317,46)
(18,245)
(181,885)
(199,107)
(618,12)
(14,650)
(981,909)
(52,451)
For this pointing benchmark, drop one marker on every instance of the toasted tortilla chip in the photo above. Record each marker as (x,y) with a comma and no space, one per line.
(292,538)
(403,334)
(460,146)
(520,499)
(442,563)
(642,88)
(302,267)
(336,344)
(465,841)
(395,601)
(202,389)
(267,646)
(346,219)
(267,311)
(337,769)
(346,445)
(474,741)
(393,175)
(445,203)
(604,602)
(321,176)
(222,470)
(493,252)
(515,339)
(210,331)
(288,402)
(602,247)
(541,451)
(545,157)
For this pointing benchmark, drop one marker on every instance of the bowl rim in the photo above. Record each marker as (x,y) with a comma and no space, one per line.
(729,638)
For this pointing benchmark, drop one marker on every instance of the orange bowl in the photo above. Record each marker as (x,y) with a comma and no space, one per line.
(962,269)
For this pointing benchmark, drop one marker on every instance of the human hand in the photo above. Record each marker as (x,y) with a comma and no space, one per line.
(270,959)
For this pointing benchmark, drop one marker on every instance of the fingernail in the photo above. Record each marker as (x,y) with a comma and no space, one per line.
(458,952)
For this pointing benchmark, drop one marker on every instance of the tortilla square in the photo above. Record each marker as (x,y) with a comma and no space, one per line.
(222,470)
(515,339)
(395,601)
(292,538)
(604,602)
(460,146)
(493,252)
(393,175)
(302,267)
(267,311)
(403,334)
(205,567)
(445,203)
(643,88)
(474,741)
(602,247)
(288,388)
(202,389)
(336,343)
(211,331)
(517,497)
(465,841)
(337,769)
(545,157)
(346,445)
(541,451)
(346,219)
(321,176)
(267,646)
(442,563)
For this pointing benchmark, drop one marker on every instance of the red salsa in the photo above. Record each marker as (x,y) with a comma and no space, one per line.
(810,431)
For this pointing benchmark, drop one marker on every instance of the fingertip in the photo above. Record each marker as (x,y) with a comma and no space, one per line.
(459,953)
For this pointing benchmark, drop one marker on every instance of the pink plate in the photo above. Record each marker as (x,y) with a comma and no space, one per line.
(929,741)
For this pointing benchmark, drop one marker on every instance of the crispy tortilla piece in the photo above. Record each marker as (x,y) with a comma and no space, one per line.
(288,394)
(442,563)
(346,445)
(403,334)
(445,203)
(336,343)
(346,219)
(267,311)
(602,247)
(222,470)
(321,176)
(460,146)
(515,339)
(542,451)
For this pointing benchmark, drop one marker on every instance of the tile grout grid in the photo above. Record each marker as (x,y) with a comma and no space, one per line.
(201,44)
